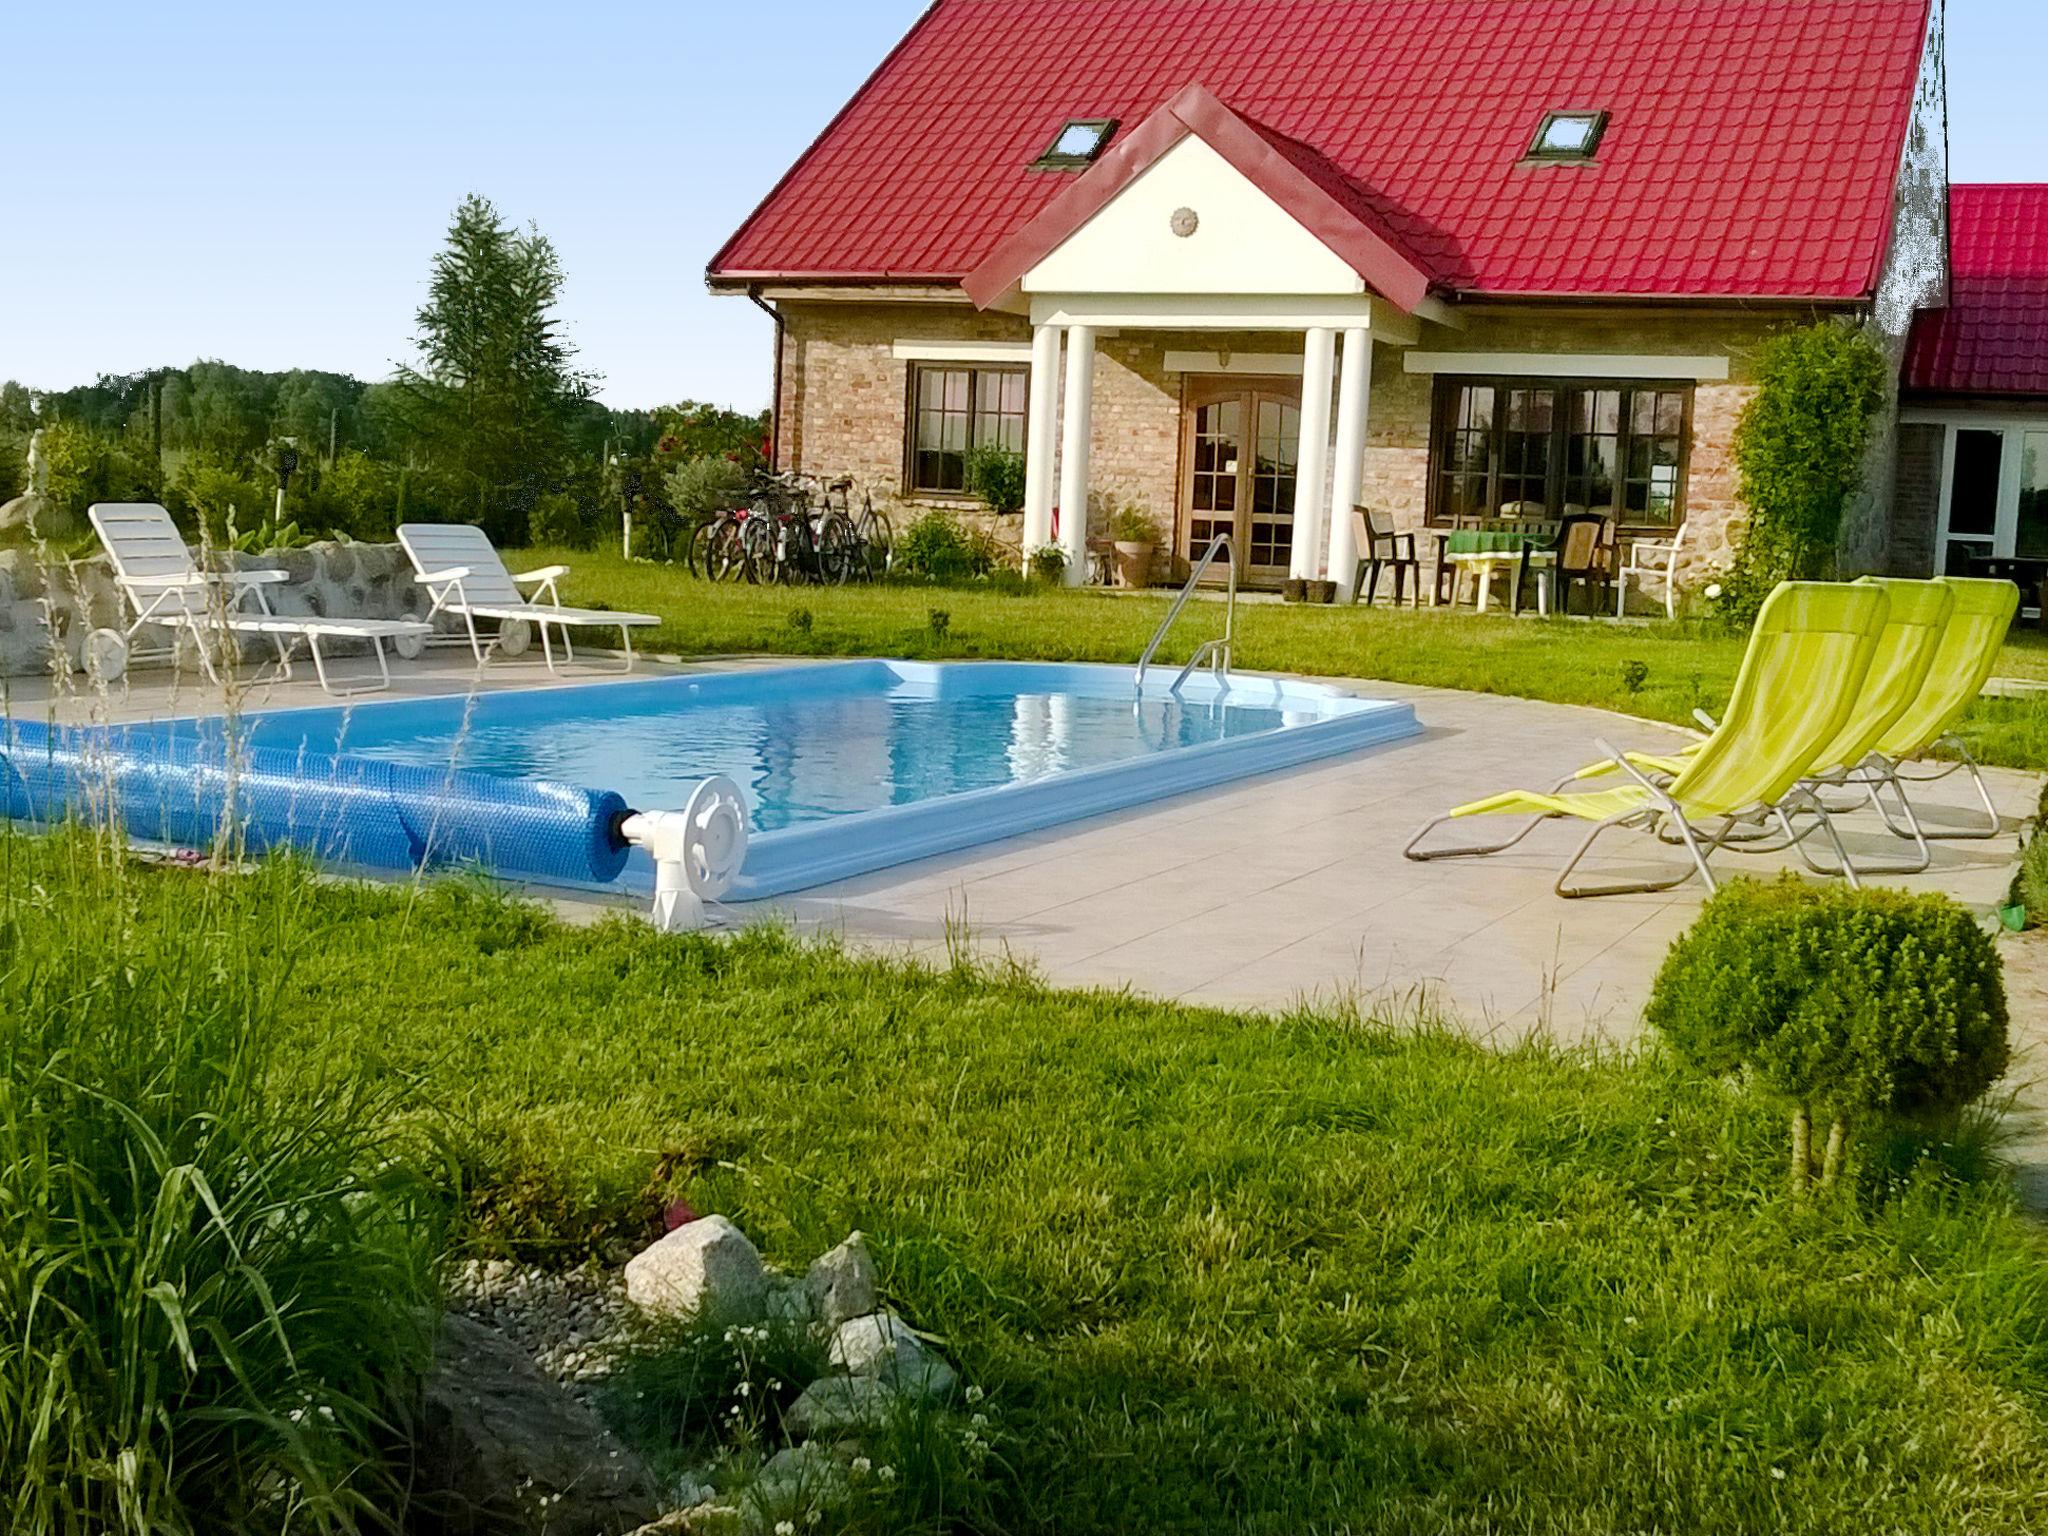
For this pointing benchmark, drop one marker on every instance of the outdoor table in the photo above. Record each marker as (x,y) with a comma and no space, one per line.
(2030,575)
(1483,551)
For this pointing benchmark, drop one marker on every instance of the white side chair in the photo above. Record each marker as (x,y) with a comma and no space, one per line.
(1656,559)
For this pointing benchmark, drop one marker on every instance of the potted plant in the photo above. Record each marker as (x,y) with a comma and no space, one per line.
(1136,536)
(1049,564)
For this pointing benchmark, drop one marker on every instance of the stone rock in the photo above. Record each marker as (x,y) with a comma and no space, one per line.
(502,1449)
(881,1345)
(787,1300)
(799,1477)
(834,1405)
(38,515)
(705,1268)
(841,1284)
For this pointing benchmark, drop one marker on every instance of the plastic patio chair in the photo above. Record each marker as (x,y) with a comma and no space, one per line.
(1380,548)
(462,571)
(1805,666)
(1656,559)
(163,585)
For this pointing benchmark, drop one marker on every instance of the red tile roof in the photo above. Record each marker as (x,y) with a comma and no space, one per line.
(1993,337)
(1751,148)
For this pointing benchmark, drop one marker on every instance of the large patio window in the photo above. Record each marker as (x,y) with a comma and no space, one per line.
(1541,448)
(953,410)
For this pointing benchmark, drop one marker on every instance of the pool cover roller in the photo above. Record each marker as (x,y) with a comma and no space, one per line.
(188,790)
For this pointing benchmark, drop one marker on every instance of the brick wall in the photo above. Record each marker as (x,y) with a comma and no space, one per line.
(844,397)
(1916,500)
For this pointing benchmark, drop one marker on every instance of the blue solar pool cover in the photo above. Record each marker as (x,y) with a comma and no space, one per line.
(192,789)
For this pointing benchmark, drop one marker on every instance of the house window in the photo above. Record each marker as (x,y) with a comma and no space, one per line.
(1568,136)
(1536,448)
(953,410)
(1076,144)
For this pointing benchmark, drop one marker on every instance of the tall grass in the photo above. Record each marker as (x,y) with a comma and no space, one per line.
(214,1275)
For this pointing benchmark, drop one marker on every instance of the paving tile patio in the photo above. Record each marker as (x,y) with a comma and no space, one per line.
(1288,886)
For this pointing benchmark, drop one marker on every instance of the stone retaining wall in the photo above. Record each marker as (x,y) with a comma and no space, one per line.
(332,580)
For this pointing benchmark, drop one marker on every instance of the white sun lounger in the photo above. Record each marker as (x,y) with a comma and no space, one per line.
(163,585)
(461,570)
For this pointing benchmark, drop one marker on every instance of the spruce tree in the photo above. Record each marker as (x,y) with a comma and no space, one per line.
(495,395)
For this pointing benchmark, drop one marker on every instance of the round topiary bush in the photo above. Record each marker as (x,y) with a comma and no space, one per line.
(1844,1004)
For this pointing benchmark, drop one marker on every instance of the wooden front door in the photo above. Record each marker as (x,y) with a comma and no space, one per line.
(1240,441)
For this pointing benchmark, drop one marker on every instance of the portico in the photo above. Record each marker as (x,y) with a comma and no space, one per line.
(1199,222)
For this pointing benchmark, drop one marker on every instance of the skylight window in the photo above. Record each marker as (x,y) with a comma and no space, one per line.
(1077,144)
(1568,136)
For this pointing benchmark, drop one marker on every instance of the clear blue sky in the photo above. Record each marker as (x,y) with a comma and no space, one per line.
(267,184)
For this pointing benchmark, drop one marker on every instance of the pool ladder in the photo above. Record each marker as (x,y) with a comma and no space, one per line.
(1215,652)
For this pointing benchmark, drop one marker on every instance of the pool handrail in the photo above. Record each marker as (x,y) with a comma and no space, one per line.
(1215,652)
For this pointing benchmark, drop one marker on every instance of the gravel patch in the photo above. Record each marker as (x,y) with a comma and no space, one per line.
(567,1320)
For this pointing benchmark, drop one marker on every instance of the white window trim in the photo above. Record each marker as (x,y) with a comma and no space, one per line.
(963,352)
(1568,365)
(2003,540)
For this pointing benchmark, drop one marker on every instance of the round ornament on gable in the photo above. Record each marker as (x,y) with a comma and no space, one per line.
(1184,222)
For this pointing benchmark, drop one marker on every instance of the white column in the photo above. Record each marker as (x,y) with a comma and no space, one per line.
(1354,400)
(1312,464)
(1075,411)
(1042,434)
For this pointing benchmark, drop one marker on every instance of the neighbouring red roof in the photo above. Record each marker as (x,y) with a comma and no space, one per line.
(1993,337)
(1751,150)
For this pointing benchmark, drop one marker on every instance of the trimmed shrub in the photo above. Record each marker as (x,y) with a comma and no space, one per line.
(1844,1005)
(2030,884)
(936,546)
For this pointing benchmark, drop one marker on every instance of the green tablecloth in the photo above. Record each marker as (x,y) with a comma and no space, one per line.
(1488,541)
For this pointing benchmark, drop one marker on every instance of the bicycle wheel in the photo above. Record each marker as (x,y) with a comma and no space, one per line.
(838,549)
(723,550)
(757,550)
(697,548)
(878,548)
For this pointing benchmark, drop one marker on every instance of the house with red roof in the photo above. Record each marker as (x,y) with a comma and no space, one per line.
(1247,264)
(1972,483)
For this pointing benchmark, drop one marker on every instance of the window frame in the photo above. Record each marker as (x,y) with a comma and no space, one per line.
(1445,395)
(914,373)
(1053,160)
(1584,155)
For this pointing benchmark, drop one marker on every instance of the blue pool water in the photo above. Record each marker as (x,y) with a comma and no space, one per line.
(805,757)
(854,766)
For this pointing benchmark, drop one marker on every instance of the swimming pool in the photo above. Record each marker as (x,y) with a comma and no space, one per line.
(849,767)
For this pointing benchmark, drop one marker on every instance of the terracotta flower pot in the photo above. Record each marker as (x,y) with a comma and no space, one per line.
(1133,564)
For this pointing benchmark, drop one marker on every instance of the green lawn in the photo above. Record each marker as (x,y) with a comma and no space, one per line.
(1688,665)
(1218,1271)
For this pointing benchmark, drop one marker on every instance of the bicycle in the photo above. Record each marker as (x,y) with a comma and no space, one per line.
(874,542)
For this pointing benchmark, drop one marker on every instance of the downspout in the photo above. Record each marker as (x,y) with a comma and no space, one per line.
(775,408)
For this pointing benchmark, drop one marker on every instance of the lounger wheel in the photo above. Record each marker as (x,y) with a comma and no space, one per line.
(514,636)
(106,655)
(409,647)
(717,840)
